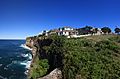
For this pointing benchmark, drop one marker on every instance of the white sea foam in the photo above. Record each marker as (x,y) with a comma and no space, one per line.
(26,63)
(27,55)
(30,56)
(0,64)
(26,72)
(25,47)
(23,63)
(24,55)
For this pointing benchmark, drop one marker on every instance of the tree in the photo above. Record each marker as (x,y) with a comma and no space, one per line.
(88,29)
(40,68)
(106,30)
(117,30)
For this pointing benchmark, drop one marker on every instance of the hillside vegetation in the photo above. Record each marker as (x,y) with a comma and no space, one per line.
(95,57)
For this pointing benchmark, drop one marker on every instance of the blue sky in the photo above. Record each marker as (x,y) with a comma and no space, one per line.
(22,18)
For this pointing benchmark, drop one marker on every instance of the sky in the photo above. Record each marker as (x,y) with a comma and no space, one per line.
(22,18)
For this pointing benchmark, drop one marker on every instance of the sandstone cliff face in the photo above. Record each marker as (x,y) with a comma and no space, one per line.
(55,74)
(29,42)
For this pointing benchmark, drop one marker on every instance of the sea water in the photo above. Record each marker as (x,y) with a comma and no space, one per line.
(15,59)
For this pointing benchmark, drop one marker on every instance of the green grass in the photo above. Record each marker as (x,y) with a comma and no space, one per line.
(100,37)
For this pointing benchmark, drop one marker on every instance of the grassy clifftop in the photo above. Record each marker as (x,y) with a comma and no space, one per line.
(95,57)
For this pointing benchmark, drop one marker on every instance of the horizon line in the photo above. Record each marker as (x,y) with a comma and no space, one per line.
(12,38)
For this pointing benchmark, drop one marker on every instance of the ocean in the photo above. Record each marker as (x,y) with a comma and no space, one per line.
(15,59)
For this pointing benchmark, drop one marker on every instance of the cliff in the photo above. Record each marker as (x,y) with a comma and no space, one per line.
(36,44)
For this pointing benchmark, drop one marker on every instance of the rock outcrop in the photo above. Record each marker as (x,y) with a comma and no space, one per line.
(30,42)
(55,74)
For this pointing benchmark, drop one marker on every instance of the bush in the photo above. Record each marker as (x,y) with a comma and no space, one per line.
(79,58)
(106,44)
(83,61)
(40,68)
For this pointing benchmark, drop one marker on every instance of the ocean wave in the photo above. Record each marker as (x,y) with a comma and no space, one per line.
(30,56)
(25,47)
(24,55)
(0,64)
(9,64)
(5,68)
(26,72)
(13,63)
(27,55)
(26,63)
(2,77)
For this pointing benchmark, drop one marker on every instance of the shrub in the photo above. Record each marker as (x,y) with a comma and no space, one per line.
(82,58)
(40,68)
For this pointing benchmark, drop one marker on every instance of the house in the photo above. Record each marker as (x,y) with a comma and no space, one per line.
(83,31)
(67,31)
(54,31)
(97,31)
(74,33)
(93,31)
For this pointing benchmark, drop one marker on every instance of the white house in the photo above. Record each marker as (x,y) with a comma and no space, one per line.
(67,31)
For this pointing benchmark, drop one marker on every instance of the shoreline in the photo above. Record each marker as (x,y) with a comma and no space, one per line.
(29,63)
(26,47)
(33,53)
